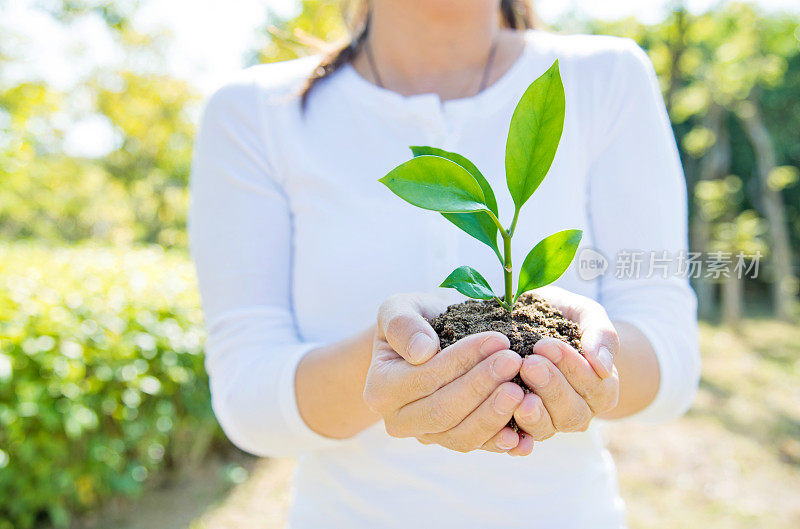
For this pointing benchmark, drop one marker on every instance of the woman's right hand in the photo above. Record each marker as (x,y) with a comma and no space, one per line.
(460,397)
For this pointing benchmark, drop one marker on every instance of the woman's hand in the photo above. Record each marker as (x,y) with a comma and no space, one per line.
(460,398)
(569,389)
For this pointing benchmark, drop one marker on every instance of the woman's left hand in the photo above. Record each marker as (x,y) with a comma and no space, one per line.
(569,388)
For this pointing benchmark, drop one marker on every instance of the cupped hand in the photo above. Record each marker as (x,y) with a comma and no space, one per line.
(460,397)
(568,389)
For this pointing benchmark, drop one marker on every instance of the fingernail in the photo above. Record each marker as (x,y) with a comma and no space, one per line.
(420,348)
(537,372)
(507,440)
(606,359)
(529,410)
(505,402)
(554,351)
(492,344)
(505,365)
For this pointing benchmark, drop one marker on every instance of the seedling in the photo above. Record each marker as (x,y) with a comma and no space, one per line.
(449,183)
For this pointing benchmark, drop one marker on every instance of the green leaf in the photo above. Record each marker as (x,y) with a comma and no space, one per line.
(488,193)
(478,224)
(435,183)
(533,136)
(469,282)
(548,260)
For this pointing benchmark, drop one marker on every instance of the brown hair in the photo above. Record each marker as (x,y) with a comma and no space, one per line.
(514,14)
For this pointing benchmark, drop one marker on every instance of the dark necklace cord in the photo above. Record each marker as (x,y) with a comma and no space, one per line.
(371,60)
(484,77)
(488,68)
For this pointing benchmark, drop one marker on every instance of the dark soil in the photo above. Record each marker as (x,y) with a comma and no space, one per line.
(532,319)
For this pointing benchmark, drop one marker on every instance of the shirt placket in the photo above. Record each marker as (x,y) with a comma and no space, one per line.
(442,239)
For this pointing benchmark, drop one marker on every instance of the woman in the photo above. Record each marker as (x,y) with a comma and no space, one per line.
(298,248)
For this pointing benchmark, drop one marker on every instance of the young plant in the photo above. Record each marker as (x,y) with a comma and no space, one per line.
(449,183)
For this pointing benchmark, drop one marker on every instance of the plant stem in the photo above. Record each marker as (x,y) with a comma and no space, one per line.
(495,220)
(507,270)
(513,223)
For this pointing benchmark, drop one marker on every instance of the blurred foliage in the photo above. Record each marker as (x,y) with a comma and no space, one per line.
(153,159)
(318,25)
(137,192)
(115,13)
(101,377)
(718,70)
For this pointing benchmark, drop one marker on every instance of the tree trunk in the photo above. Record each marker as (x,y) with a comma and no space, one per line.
(713,165)
(678,48)
(732,295)
(773,209)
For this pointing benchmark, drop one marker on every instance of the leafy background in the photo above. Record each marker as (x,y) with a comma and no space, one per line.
(104,406)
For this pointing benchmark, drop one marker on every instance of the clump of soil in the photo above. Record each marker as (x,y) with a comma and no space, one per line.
(532,319)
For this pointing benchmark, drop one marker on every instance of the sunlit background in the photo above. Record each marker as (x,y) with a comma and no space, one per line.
(104,408)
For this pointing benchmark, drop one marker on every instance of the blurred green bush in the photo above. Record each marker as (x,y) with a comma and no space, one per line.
(101,377)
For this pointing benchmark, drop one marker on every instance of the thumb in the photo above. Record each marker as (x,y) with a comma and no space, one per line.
(599,342)
(402,323)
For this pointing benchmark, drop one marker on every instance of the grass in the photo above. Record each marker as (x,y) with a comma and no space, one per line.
(732,462)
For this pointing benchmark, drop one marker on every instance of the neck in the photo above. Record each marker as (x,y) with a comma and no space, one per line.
(425,46)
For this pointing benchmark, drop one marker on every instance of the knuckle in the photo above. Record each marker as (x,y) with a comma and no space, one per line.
(394,429)
(397,325)
(566,424)
(462,362)
(462,445)
(611,400)
(482,384)
(425,381)
(611,337)
(488,421)
(570,368)
(373,398)
(605,399)
(440,416)
(391,430)
(541,434)
(535,432)
(614,402)
(557,393)
(386,309)
(574,422)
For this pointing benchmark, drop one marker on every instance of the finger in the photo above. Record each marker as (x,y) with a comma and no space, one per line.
(599,339)
(568,411)
(485,422)
(600,394)
(524,448)
(502,441)
(447,407)
(533,418)
(393,383)
(402,323)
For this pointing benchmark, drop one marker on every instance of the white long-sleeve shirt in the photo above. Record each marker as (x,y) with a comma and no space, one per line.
(297,243)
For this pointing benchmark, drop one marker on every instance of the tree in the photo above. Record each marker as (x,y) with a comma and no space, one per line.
(715,69)
(135,193)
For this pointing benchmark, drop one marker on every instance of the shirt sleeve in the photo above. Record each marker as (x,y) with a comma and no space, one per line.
(637,206)
(241,238)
